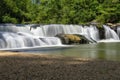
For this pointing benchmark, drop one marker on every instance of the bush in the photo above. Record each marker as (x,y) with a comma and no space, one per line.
(8,19)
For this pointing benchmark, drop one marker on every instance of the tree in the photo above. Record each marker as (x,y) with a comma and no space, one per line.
(15,11)
(59,11)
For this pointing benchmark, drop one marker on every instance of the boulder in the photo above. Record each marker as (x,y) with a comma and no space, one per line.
(117,24)
(71,39)
(63,39)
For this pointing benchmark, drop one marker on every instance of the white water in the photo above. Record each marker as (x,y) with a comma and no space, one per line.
(13,40)
(110,34)
(108,41)
(8,28)
(90,32)
(20,36)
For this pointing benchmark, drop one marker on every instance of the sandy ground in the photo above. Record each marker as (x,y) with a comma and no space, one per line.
(22,66)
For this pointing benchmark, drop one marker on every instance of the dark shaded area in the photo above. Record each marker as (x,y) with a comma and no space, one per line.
(49,67)
(101,33)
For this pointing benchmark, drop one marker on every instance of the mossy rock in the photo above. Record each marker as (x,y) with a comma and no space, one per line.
(73,38)
(69,38)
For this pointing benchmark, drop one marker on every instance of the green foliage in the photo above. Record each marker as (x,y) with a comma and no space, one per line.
(15,11)
(8,19)
(59,11)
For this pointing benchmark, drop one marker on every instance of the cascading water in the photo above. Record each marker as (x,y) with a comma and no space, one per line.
(91,33)
(110,34)
(94,33)
(20,36)
(8,28)
(23,28)
(38,31)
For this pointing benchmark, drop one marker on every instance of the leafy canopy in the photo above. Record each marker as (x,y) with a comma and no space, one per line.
(59,11)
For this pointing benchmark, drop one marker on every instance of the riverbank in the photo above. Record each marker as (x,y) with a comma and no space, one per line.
(22,66)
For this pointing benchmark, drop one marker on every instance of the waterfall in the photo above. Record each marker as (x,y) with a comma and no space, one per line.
(20,39)
(23,28)
(53,29)
(8,27)
(110,34)
(20,36)
(94,33)
(90,32)
(38,30)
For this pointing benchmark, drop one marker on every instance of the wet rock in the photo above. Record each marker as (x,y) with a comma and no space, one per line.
(117,24)
(110,24)
(71,39)
(101,33)
(113,26)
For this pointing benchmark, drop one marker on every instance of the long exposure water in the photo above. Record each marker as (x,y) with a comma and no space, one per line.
(107,51)
(30,37)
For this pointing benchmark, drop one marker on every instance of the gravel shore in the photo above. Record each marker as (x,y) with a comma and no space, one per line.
(21,66)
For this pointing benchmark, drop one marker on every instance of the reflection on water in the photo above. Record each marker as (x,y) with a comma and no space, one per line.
(109,51)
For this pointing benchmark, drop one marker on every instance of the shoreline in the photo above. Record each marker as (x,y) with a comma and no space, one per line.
(21,66)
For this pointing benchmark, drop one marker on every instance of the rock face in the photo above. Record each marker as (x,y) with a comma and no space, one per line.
(101,33)
(71,39)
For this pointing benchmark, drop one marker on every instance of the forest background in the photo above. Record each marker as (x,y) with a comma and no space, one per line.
(59,11)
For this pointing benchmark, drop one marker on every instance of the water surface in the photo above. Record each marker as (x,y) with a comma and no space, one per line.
(109,51)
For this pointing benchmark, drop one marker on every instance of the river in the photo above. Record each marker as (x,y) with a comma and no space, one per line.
(19,37)
(106,51)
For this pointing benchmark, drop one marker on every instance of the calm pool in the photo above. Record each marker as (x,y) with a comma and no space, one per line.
(109,51)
